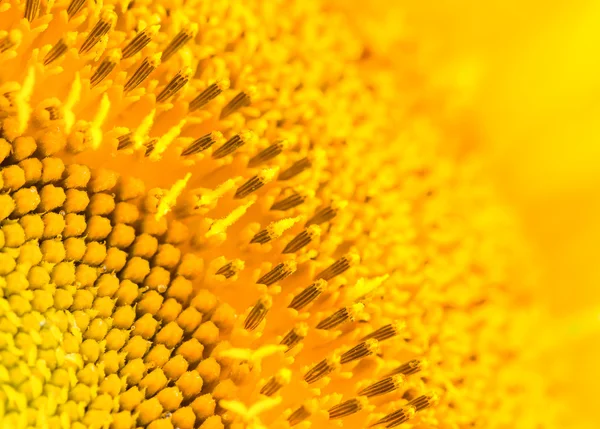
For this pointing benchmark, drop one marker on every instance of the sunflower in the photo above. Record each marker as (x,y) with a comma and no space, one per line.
(234,214)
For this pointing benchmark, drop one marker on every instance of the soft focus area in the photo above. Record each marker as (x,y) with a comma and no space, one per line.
(526,74)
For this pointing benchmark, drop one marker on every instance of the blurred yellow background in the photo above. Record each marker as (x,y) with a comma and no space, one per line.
(527,74)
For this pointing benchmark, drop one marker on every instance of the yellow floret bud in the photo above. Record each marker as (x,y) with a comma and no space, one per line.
(25,200)
(33,225)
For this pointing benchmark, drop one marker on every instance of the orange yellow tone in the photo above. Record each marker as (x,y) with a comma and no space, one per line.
(526,74)
(238,214)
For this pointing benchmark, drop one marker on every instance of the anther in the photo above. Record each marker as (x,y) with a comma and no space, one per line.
(326,214)
(274,230)
(280,272)
(308,295)
(105,68)
(102,27)
(140,41)
(386,331)
(276,382)
(344,314)
(396,418)
(411,367)
(298,416)
(74,7)
(423,401)
(381,387)
(302,239)
(262,237)
(9,41)
(179,41)
(322,369)
(290,202)
(268,153)
(54,113)
(233,144)
(209,94)
(143,71)
(255,183)
(258,313)
(347,408)
(179,80)
(338,267)
(295,169)
(32,8)
(243,99)
(202,143)
(230,269)
(360,351)
(57,51)
(124,141)
(149,146)
(294,336)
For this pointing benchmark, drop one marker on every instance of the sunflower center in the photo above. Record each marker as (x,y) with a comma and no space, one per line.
(98,304)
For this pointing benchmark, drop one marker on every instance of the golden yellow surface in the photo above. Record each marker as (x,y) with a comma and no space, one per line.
(444,161)
(531,77)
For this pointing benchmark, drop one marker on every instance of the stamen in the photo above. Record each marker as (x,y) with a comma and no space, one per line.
(322,369)
(261,237)
(179,80)
(326,214)
(423,401)
(32,8)
(101,28)
(106,66)
(387,385)
(150,145)
(396,418)
(54,113)
(258,313)
(344,314)
(296,168)
(233,144)
(202,143)
(124,141)
(231,268)
(411,367)
(338,267)
(74,7)
(347,408)
(143,71)
(255,183)
(360,351)
(140,41)
(302,239)
(298,416)
(290,202)
(57,51)
(179,41)
(12,39)
(268,153)
(308,295)
(293,338)
(243,99)
(209,94)
(276,382)
(280,272)
(386,331)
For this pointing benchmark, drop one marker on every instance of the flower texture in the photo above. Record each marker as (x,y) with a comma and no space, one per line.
(231,214)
